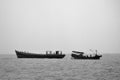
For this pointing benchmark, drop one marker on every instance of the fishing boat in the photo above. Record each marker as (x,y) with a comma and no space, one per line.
(80,55)
(49,54)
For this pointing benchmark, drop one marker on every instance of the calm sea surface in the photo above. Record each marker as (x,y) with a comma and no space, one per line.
(107,68)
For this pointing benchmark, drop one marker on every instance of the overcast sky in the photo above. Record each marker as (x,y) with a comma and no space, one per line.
(40,25)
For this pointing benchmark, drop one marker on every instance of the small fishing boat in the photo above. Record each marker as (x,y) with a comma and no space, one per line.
(49,54)
(79,55)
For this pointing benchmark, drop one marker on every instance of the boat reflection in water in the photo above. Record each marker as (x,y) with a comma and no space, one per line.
(80,55)
(49,54)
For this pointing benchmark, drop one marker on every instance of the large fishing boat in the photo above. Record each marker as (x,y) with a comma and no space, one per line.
(49,54)
(80,55)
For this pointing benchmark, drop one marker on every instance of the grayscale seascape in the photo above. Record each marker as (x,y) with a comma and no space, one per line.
(107,68)
(69,27)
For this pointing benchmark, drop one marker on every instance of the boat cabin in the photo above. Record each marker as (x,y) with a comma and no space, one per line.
(48,52)
(56,52)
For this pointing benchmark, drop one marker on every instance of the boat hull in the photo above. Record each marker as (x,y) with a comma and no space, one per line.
(32,55)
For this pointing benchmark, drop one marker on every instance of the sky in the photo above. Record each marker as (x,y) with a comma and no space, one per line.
(40,25)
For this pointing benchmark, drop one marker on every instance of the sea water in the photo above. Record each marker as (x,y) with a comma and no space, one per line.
(107,68)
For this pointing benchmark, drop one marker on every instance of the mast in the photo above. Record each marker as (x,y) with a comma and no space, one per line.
(96,52)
